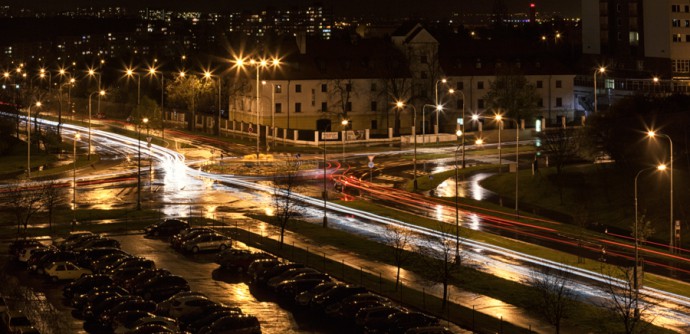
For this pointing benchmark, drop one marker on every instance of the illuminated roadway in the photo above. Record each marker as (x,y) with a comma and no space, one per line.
(183,184)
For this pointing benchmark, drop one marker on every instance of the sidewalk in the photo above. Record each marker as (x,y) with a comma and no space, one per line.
(498,310)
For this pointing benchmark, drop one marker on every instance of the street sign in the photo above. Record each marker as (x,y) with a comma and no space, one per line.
(329,135)
(371,164)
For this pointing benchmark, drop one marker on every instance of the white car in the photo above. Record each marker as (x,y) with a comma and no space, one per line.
(207,242)
(65,270)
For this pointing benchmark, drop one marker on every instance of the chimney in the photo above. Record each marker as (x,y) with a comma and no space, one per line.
(301,39)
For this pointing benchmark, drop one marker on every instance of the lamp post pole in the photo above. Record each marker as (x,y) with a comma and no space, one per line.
(258,112)
(457,215)
(77,136)
(145,121)
(344,123)
(438,110)
(601,70)
(99,92)
(325,194)
(463,128)
(401,105)
(671,242)
(28,139)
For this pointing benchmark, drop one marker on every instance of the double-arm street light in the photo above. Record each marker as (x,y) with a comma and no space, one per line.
(28,138)
(153,72)
(100,93)
(601,70)
(499,118)
(144,121)
(653,134)
(208,76)
(401,105)
(258,64)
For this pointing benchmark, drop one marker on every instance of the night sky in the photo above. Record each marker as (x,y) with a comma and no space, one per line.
(341,7)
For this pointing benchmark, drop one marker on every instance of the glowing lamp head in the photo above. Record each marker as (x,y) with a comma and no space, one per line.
(651,134)
(458,133)
(662,167)
(207,75)
(399,104)
(444,80)
(475,117)
(38,104)
(77,136)
(499,118)
(62,71)
(101,93)
(7,74)
(344,122)
(145,120)
(439,107)
(130,72)
(152,71)
(479,141)
(451,91)
(182,74)
(602,69)
(72,80)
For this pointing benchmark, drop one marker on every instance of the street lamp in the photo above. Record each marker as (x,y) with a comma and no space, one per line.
(152,72)
(100,93)
(652,134)
(77,136)
(69,83)
(28,138)
(145,121)
(600,70)
(462,127)
(457,215)
(273,112)
(92,72)
(438,110)
(401,105)
(42,74)
(208,76)
(344,123)
(130,73)
(258,64)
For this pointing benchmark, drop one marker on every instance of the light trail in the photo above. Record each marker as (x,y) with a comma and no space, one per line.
(672,309)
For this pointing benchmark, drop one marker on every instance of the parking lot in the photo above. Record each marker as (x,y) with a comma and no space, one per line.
(202,274)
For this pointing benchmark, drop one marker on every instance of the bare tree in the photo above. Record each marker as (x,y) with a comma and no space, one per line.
(284,202)
(645,228)
(25,201)
(561,146)
(555,298)
(398,238)
(440,258)
(624,300)
(52,198)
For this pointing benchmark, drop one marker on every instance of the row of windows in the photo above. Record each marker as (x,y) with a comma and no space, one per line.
(680,23)
(677,8)
(681,65)
(680,38)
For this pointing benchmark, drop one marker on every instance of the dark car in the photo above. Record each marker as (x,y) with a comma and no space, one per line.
(293,287)
(132,262)
(166,227)
(335,308)
(80,241)
(298,274)
(88,257)
(125,320)
(104,262)
(335,295)
(86,284)
(108,315)
(305,297)
(207,319)
(151,329)
(93,311)
(162,287)
(401,322)
(239,259)
(376,318)
(97,295)
(263,276)
(17,245)
(98,243)
(241,323)
(36,257)
(121,275)
(187,234)
(143,276)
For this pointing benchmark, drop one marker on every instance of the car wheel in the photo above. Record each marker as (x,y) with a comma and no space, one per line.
(223,247)
(195,249)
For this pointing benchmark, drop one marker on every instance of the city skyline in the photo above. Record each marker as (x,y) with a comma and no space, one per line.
(431,8)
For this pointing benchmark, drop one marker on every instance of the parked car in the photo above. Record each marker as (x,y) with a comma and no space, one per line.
(96,295)
(166,227)
(108,315)
(36,256)
(65,270)
(189,233)
(74,235)
(151,329)
(305,297)
(168,323)
(263,276)
(335,308)
(429,330)
(40,265)
(190,307)
(334,295)
(143,276)
(304,276)
(376,318)
(239,259)
(15,322)
(25,253)
(18,244)
(89,256)
(401,322)
(161,288)
(93,311)
(124,321)
(85,284)
(260,265)
(97,243)
(78,242)
(293,287)
(208,318)
(207,242)
(106,261)
(139,262)
(235,324)
(165,306)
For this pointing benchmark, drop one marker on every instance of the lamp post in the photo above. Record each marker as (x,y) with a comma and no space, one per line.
(457,215)
(344,123)
(462,128)
(601,70)
(69,83)
(438,108)
(325,194)
(258,64)
(652,134)
(130,73)
(437,129)
(28,138)
(401,105)
(152,72)
(208,75)
(42,74)
(77,136)
(100,93)
(273,113)
(145,121)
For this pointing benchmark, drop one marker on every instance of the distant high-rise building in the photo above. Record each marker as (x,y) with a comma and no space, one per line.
(638,37)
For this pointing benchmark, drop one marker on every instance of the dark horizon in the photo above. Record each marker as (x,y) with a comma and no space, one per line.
(429,8)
